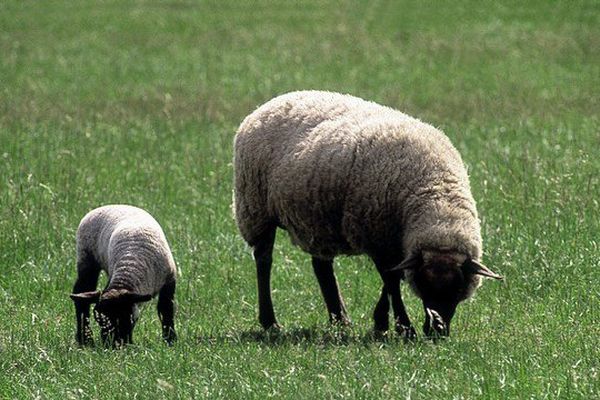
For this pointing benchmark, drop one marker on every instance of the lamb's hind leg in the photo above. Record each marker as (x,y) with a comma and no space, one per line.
(331,291)
(263,256)
(166,311)
(88,271)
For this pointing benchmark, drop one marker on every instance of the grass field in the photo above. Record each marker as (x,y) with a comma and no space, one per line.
(137,102)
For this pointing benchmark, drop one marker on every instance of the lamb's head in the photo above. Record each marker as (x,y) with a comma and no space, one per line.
(442,279)
(116,312)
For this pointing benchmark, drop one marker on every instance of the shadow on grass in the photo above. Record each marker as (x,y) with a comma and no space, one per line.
(315,336)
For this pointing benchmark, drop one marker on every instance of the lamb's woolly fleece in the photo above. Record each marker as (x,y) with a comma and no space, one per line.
(348,176)
(129,245)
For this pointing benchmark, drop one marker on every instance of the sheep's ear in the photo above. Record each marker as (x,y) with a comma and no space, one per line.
(410,262)
(475,267)
(86,297)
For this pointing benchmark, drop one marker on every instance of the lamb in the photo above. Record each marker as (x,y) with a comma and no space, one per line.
(130,246)
(346,176)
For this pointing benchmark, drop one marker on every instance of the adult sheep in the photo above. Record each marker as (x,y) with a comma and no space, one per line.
(130,246)
(346,176)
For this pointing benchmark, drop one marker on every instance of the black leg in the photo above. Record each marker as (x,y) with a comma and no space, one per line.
(129,337)
(88,272)
(402,322)
(391,282)
(382,309)
(263,256)
(331,291)
(166,312)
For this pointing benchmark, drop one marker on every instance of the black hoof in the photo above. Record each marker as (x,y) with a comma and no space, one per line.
(379,336)
(408,333)
(85,339)
(170,337)
(340,320)
(85,342)
(382,322)
(381,325)
(273,327)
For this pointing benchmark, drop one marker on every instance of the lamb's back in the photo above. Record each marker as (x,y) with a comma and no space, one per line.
(115,234)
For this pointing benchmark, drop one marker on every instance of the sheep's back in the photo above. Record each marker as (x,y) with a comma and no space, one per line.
(336,171)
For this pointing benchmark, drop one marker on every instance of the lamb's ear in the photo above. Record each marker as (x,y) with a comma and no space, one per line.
(86,297)
(139,298)
(124,296)
(410,262)
(475,267)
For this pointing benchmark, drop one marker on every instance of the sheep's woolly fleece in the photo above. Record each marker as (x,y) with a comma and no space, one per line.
(346,176)
(129,245)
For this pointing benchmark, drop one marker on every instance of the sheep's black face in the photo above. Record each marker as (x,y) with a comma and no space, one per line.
(442,278)
(441,283)
(440,290)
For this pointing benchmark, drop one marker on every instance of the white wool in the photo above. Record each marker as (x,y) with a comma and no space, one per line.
(130,247)
(346,176)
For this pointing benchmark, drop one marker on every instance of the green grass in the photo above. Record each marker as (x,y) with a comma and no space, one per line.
(137,102)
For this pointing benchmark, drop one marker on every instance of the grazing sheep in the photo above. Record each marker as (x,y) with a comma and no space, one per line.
(347,176)
(130,246)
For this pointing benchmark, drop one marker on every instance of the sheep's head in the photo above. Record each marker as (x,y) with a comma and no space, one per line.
(442,279)
(116,312)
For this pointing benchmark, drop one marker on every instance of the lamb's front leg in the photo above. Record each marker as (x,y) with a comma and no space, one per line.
(84,332)
(87,279)
(166,312)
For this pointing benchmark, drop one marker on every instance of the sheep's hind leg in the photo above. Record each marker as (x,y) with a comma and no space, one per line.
(88,272)
(331,291)
(263,256)
(166,312)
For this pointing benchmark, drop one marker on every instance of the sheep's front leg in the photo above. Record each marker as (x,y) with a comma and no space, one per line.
(263,256)
(403,325)
(330,290)
(87,280)
(166,312)
(381,313)
(391,287)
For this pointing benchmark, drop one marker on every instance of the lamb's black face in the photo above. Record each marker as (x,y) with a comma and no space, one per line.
(116,321)
(116,312)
